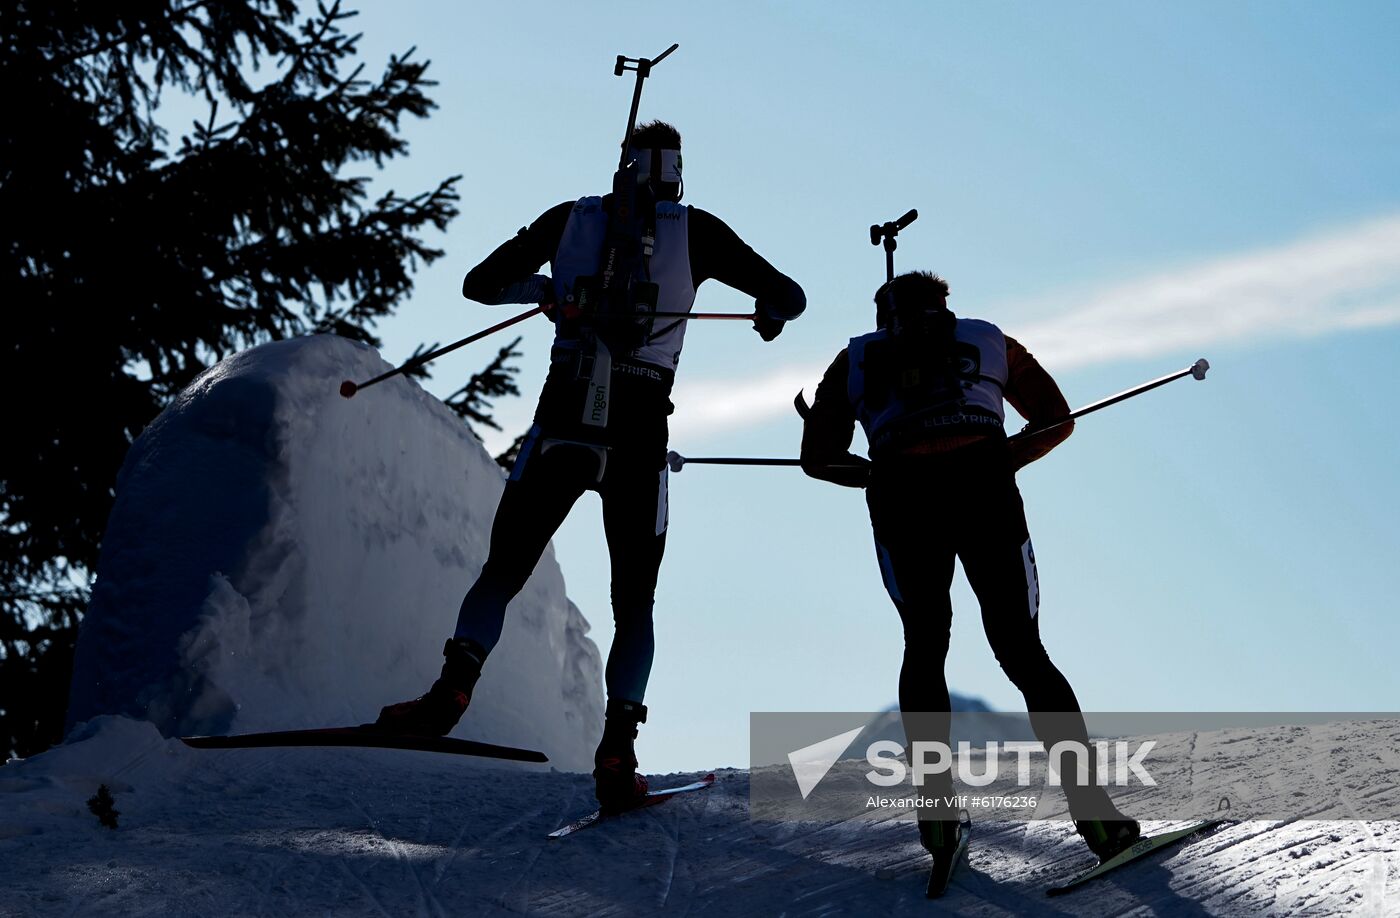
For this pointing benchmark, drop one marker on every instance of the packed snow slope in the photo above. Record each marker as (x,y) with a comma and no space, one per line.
(279,557)
(351,832)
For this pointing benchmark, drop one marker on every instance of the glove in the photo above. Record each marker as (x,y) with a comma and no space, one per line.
(534,289)
(547,301)
(767,327)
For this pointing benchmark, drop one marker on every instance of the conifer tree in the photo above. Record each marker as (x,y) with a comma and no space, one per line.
(134,258)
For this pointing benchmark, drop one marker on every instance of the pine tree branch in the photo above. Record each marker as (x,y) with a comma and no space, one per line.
(176,18)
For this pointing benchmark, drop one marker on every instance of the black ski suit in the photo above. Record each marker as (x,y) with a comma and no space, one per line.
(552,471)
(939,488)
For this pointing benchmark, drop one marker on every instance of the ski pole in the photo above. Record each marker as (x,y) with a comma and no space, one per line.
(1196,370)
(737,316)
(677,462)
(349,388)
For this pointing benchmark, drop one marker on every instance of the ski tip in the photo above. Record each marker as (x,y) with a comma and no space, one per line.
(204,742)
(1147,845)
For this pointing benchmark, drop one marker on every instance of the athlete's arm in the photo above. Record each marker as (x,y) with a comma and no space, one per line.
(716,251)
(508,275)
(1034,395)
(827,430)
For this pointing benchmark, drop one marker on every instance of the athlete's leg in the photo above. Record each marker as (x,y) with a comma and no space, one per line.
(535,501)
(916,563)
(999,561)
(541,490)
(1000,565)
(635,517)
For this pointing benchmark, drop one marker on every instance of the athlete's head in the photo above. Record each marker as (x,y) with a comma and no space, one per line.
(911,301)
(656,146)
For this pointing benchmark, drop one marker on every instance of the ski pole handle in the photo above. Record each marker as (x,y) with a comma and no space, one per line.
(349,388)
(1196,370)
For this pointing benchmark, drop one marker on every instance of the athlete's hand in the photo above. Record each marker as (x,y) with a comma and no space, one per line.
(767,328)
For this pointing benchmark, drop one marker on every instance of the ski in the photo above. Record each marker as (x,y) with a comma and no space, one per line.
(365,735)
(651,799)
(1138,850)
(941,873)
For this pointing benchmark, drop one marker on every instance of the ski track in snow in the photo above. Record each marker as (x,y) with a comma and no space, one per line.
(385,833)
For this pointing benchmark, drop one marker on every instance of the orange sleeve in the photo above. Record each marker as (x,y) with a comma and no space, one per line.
(1036,397)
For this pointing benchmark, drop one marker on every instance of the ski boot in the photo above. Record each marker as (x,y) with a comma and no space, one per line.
(1108,838)
(946,840)
(437,712)
(615,779)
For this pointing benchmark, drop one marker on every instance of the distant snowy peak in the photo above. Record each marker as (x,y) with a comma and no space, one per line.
(279,556)
(970,704)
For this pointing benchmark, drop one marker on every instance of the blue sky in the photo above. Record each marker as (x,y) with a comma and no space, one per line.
(1123,187)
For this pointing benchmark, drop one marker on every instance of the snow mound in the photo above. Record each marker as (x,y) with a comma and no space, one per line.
(281,557)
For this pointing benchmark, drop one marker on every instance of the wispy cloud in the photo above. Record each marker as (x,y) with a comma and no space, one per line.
(1328,283)
(1339,281)
(712,405)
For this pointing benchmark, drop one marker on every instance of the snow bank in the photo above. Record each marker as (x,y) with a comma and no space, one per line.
(281,557)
